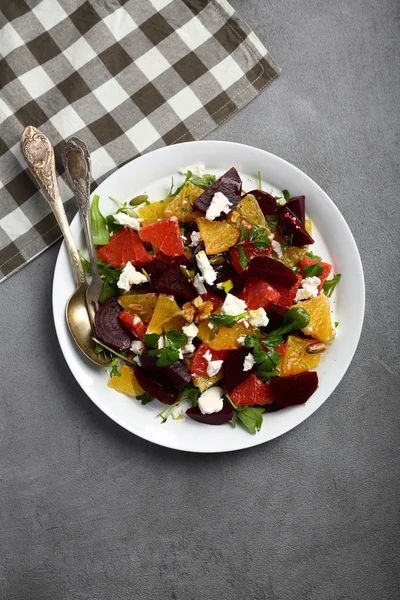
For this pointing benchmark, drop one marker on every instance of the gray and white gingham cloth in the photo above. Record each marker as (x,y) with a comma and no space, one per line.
(125,76)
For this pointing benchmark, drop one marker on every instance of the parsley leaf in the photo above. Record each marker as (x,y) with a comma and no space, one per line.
(226,320)
(330,284)
(144,398)
(114,364)
(251,418)
(286,195)
(312,270)
(243,257)
(256,236)
(151,339)
(313,256)
(190,393)
(176,338)
(166,356)
(272,340)
(100,232)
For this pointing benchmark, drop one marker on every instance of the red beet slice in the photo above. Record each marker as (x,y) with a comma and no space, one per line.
(297,205)
(232,369)
(174,283)
(267,203)
(273,271)
(275,314)
(223,416)
(228,184)
(154,389)
(173,376)
(273,407)
(292,230)
(109,329)
(293,389)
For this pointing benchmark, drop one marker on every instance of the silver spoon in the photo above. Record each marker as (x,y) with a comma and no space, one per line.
(76,162)
(39,155)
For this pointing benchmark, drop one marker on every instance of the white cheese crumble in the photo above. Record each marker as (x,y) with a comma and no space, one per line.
(129,277)
(211,401)
(199,285)
(241,339)
(308,289)
(177,413)
(207,272)
(219,204)
(207,355)
(190,330)
(195,238)
(233,306)
(271,237)
(258,317)
(196,170)
(137,347)
(213,367)
(161,342)
(277,248)
(188,348)
(248,362)
(127,221)
(137,360)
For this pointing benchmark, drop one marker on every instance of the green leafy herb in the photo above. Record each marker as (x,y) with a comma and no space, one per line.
(286,195)
(176,338)
(336,323)
(190,393)
(330,284)
(85,264)
(98,349)
(112,226)
(180,187)
(123,207)
(251,341)
(151,339)
(313,256)
(204,181)
(256,236)
(171,188)
(259,180)
(295,318)
(110,277)
(272,340)
(144,398)
(251,418)
(166,356)
(226,320)
(112,351)
(243,257)
(313,270)
(100,233)
(264,373)
(114,364)
(164,414)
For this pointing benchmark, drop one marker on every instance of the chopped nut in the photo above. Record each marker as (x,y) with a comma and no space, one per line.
(188,312)
(204,311)
(197,302)
(316,348)
(135,307)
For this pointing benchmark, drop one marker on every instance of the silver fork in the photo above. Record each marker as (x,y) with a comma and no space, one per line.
(76,160)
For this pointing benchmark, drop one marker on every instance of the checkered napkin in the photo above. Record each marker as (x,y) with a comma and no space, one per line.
(125,76)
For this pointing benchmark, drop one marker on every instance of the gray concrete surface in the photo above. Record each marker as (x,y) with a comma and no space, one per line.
(90,512)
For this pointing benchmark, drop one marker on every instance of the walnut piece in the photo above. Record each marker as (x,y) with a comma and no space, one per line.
(204,311)
(188,312)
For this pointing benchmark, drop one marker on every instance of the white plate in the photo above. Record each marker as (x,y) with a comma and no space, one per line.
(151,173)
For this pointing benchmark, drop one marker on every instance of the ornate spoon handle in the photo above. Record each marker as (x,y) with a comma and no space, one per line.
(39,155)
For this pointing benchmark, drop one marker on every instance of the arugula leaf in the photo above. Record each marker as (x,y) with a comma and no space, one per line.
(256,236)
(205,181)
(109,275)
(259,180)
(110,289)
(251,418)
(330,284)
(176,338)
(190,393)
(144,398)
(295,318)
(86,266)
(115,372)
(226,320)
(286,195)
(112,226)
(243,257)
(151,339)
(313,256)
(100,232)
(112,351)
(172,193)
(313,270)
(336,323)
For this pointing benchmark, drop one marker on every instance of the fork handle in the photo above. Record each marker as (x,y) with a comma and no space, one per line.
(76,160)
(39,155)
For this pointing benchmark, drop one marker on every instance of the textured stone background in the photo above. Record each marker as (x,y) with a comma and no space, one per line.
(90,512)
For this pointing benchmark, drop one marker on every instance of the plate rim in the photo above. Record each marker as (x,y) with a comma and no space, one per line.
(252,440)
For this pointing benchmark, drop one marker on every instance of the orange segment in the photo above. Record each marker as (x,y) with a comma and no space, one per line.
(320,325)
(176,323)
(127,382)
(181,205)
(165,310)
(247,209)
(203,383)
(218,236)
(139,304)
(226,338)
(296,360)
(152,212)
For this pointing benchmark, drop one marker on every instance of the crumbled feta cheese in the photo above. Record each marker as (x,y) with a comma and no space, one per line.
(233,306)
(161,342)
(195,238)
(180,353)
(190,330)
(189,348)
(196,170)
(207,356)
(210,325)
(271,237)
(220,285)
(137,360)
(246,324)
(308,289)
(199,285)
(211,401)
(281,201)
(127,221)
(248,362)
(213,367)
(258,318)
(177,413)
(137,347)
(129,277)
(241,339)
(277,248)
(207,272)
(307,330)
(219,204)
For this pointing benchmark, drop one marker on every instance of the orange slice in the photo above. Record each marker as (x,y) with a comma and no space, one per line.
(218,236)
(226,338)
(127,382)
(139,304)
(296,360)
(320,325)
(165,310)
(181,205)
(152,212)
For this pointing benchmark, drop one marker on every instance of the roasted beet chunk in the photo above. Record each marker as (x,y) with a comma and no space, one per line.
(109,329)
(267,203)
(293,389)
(223,416)
(275,314)
(273,271)
(173,376)
(232,369)
(154,389)
(292,230)
(174,283)
(228,184)
(297,205)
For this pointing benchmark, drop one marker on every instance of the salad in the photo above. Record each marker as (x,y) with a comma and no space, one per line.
(212,303)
